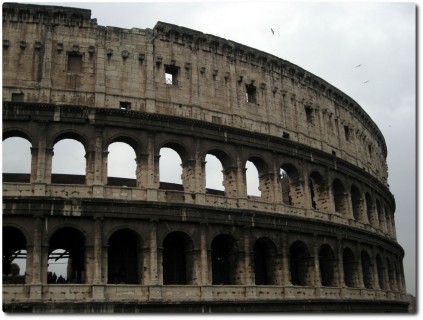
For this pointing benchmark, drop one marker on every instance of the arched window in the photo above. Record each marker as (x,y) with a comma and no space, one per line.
(300,264)
(72,253)
(339,196)
(177,259)
(356,202)
(253,182)
(292,191)
(16,160)
(58,265)
(318,193)
(380,272)
(264,262)
(122,255)
(224,260)
(214,175)
(369,206)
(68,159)
(327,263)
(121,165)
(350,268)
(14,256)
(170,168)
(366,269)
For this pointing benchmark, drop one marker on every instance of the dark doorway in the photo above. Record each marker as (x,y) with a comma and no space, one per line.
(223,260)
(123,257)
(299,264)
(177,258)
(264,262)
(327,264)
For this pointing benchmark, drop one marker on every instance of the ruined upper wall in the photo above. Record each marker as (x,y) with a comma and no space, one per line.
(60,55)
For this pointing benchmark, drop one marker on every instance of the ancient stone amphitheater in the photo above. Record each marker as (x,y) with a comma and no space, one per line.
(319,237)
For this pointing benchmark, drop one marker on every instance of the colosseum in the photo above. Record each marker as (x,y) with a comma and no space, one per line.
(320,235)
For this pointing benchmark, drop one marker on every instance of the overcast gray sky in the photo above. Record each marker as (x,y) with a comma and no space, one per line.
(329,40)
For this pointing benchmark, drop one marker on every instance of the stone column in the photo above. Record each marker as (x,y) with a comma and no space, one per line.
(248,273)
(230,175)
(98,228)
(317,276)
(36,268)
(341,280)
(360,271)
(205,279)
(286,277)
(153,253)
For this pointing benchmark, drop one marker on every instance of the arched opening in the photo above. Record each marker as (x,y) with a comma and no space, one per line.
(121,165)
(379,214)
(366,269)
(16,159)
(122,256)
(327,263)
(72,245)
(253,181)
(58,262)
(224,260)
(68,163)
(14,256)
(380,272)
(264,262)
(369,207)
(214,175)
(292,191)
(170,169)
(391,275)
(350,268)
(339,197)
(317,192)
(177,259)
(356,202)
(300,264)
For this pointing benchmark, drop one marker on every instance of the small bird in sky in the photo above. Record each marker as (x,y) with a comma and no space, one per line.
(366,81)
(358,66)
(273,32)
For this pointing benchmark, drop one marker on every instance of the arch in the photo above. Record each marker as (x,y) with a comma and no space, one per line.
(178,259)
(127,139)
(339,196)
(369,207)
(169,170)
(224,157)
(18,133)
(356,202)
(318,193)
(366,270)
(350,268)
(14,255)
(224,260)
(177,146)
(300,264)
(68,159)
(264,261)
(72,241)
(380,272)
(121,163)
(17,159)
(391,274)
(327,263)
(292,190)
(123,258)
(214,173)
(252,179)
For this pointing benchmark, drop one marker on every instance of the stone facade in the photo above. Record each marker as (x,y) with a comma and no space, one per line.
(323,231)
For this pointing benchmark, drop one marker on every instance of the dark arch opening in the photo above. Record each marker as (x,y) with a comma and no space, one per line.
(327,264)
(299,264)
(123,257)
(14,256)
(366,270)
(177,258)
(223,260)
(380,272)
(264,262)
(339,196)
(72,242)
(350,268)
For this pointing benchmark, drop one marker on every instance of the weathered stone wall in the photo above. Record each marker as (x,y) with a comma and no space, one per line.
(63,56)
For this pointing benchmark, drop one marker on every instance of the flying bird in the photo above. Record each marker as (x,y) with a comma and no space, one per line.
(358,66)
(273,32)
(366,81)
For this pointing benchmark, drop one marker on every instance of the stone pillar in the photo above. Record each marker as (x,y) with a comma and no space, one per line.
(248,273)
(286,274)
(266,187)
(277,187)
(360,271)
(241,179)
(341,280)
(98,228)
(100,83)
(36,250)
(230,175)
(48,160)
(317,276)
(34,164)
(153,280)
(205,279)
(189,176)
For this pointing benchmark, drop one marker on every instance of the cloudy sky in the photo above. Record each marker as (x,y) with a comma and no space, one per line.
(329,40)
